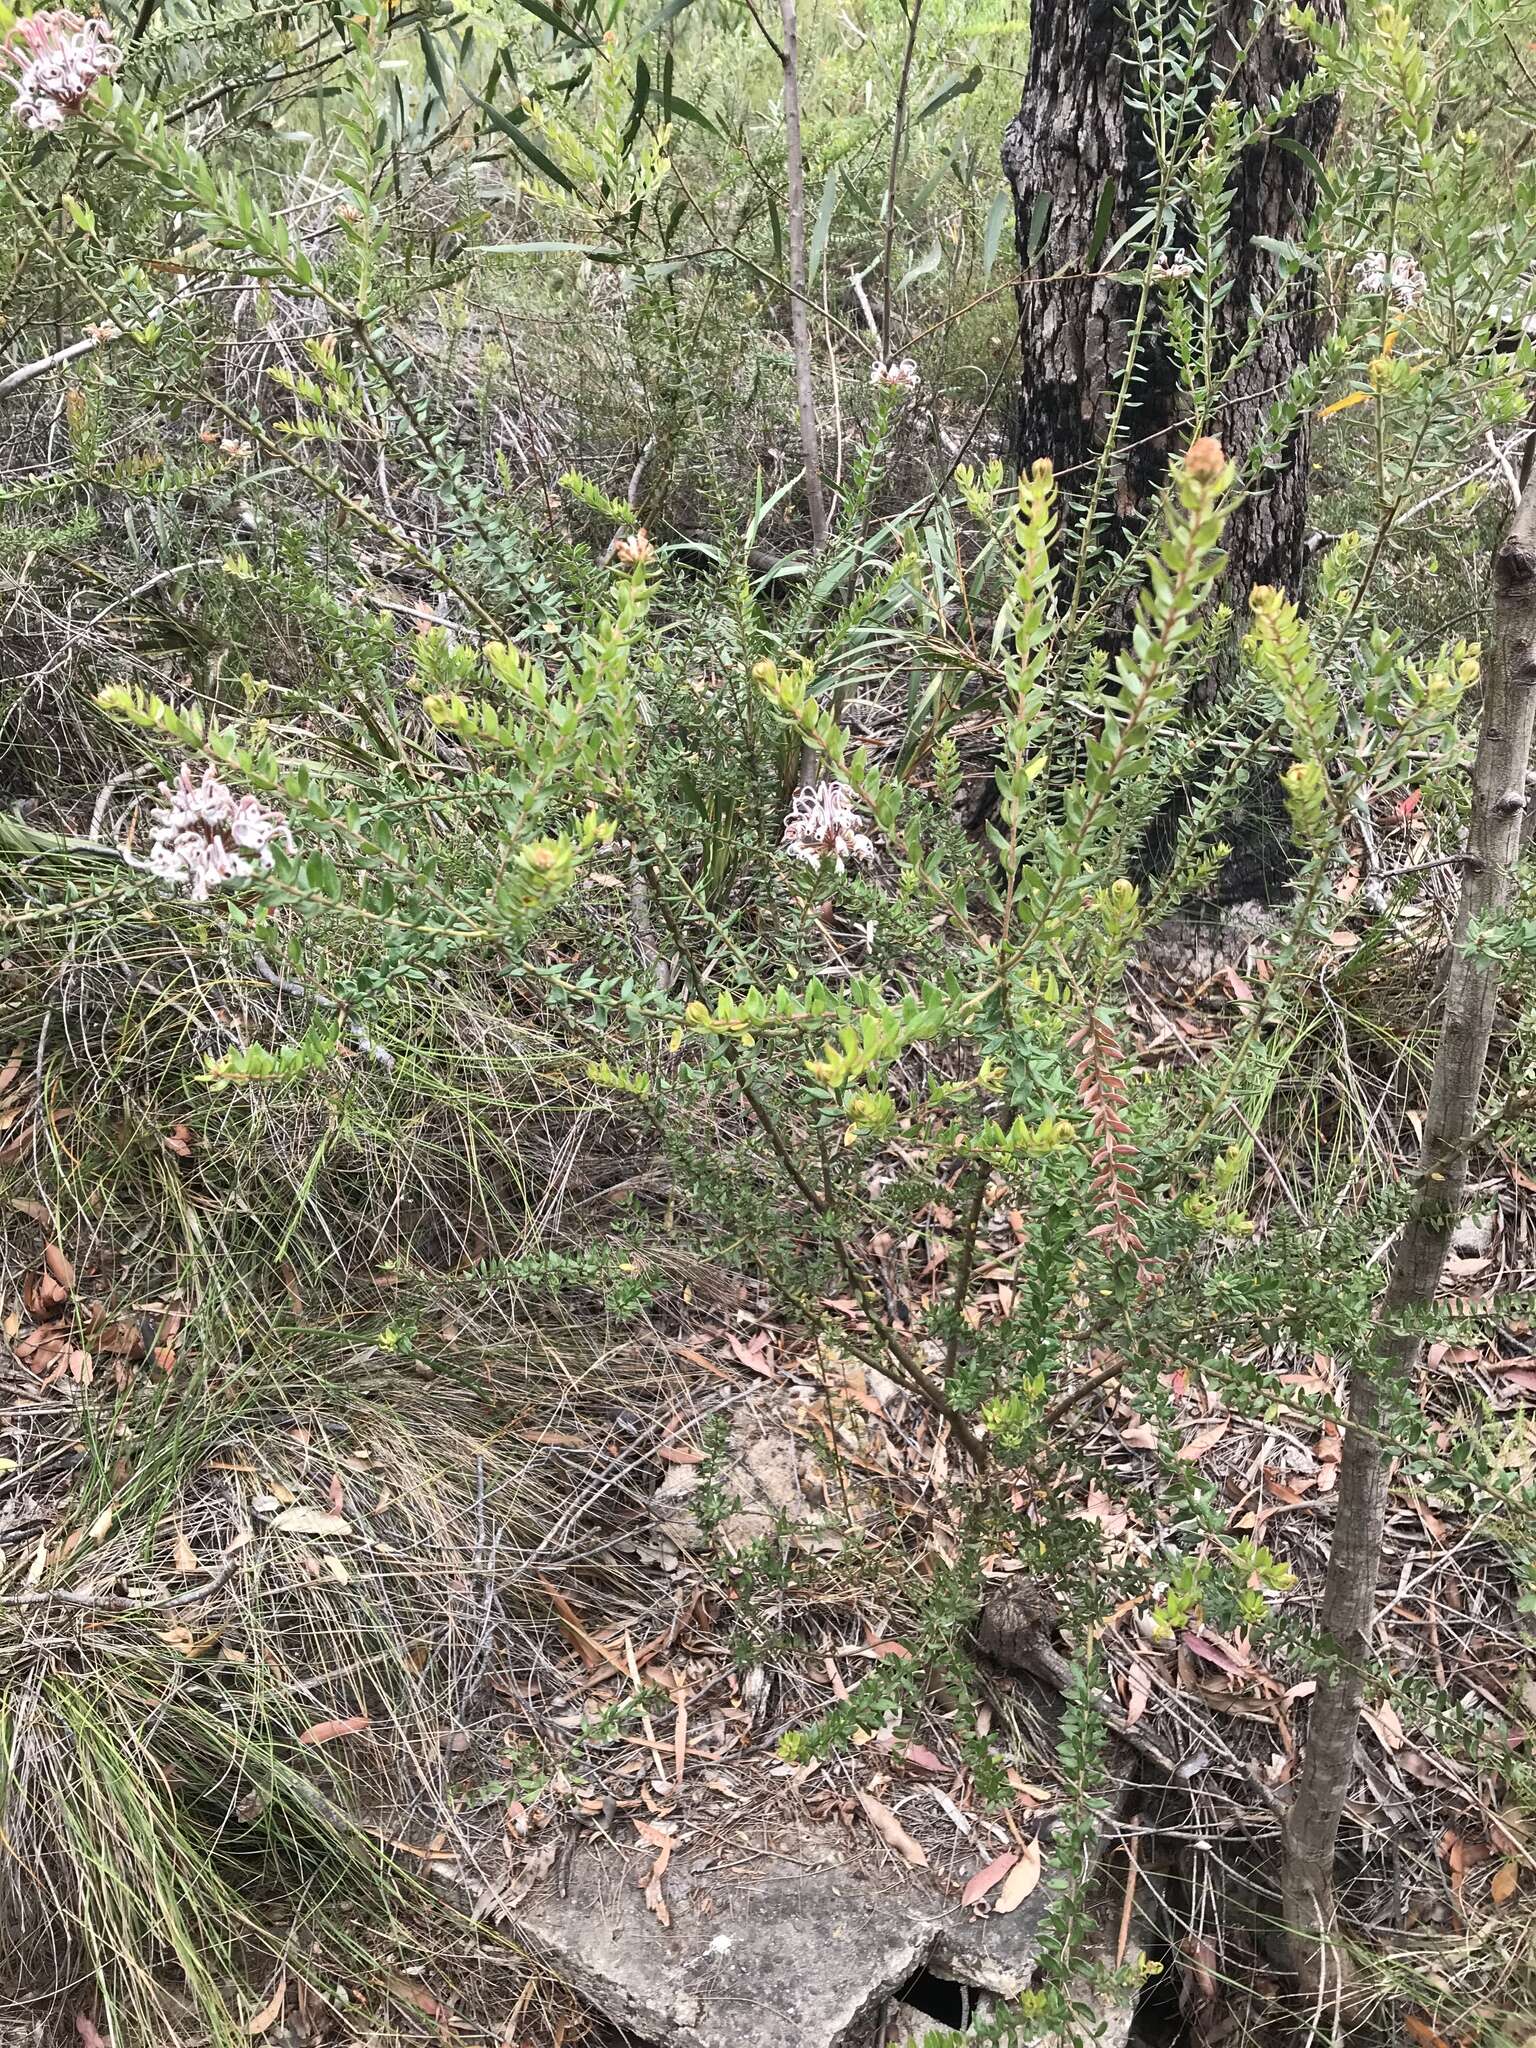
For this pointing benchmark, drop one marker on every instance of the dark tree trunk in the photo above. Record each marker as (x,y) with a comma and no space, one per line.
(1077,135)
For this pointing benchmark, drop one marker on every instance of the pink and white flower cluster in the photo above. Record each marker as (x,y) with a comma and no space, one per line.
(206,835)
(900,376)
(823,825)
(1172,266)
(58,57)
(1401,280)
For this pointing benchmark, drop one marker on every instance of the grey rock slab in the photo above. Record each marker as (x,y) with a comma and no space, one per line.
(990,1951)
(789,1946)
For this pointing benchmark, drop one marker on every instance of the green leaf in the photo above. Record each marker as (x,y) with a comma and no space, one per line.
(925,266)
(677,108)
(1039,220)
(998,215)
(593,251)
(537,156)
(1288,252)
(637,106)
(432,62)
(1300,150)
(670,12)
(560,22)
(954,89)
(1101,220)
(823,227)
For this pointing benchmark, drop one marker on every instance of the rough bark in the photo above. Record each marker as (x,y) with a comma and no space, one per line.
(1470,1003)
(1076,131)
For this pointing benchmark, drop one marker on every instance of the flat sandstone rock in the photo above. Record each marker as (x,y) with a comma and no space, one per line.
(782,1946)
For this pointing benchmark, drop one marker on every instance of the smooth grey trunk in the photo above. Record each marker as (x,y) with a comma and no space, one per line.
(799,322)
(914,12)
(1471,999)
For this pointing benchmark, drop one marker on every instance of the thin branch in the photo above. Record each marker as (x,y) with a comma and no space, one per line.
(898,136)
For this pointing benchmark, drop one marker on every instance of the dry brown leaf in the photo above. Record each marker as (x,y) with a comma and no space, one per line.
(1510,1831)
(1386,1724)
(1020,1881)
(59,1268)
(595,1655)
(980,1882)
(655,1899)
(1506,1882)
(1422,2032)
(1214,1651)
(1138,1686)
(663,1839)
(917,1758)
(310,1522)
(183,1556)
(90,2034)
(259,2022)
(1206,1440)
(328,1731)
(419,1996)
(891,1831)
(1202,1962)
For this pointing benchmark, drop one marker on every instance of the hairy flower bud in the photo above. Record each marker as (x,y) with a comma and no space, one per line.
(1206,459)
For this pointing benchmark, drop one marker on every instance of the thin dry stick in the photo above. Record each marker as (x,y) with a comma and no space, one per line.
(1471,999)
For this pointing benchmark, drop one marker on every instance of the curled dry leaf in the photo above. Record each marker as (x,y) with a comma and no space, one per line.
(328,1731)
(271,2012)
(891,1831)
(1020,1881)
(982,1881)
(1422,2032)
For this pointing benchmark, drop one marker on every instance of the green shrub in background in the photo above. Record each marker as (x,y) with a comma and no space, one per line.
(482,815)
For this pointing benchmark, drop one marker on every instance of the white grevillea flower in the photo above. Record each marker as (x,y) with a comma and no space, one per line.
(1401,279)
(206,835)
(634,548)
(1172,266)
(57,57)
(900,376)
(823,825)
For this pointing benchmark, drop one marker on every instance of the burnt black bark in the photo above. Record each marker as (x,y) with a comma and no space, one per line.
(1077,131)
(1081,164)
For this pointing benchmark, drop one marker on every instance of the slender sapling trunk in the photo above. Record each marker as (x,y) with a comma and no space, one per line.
(1471,997)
